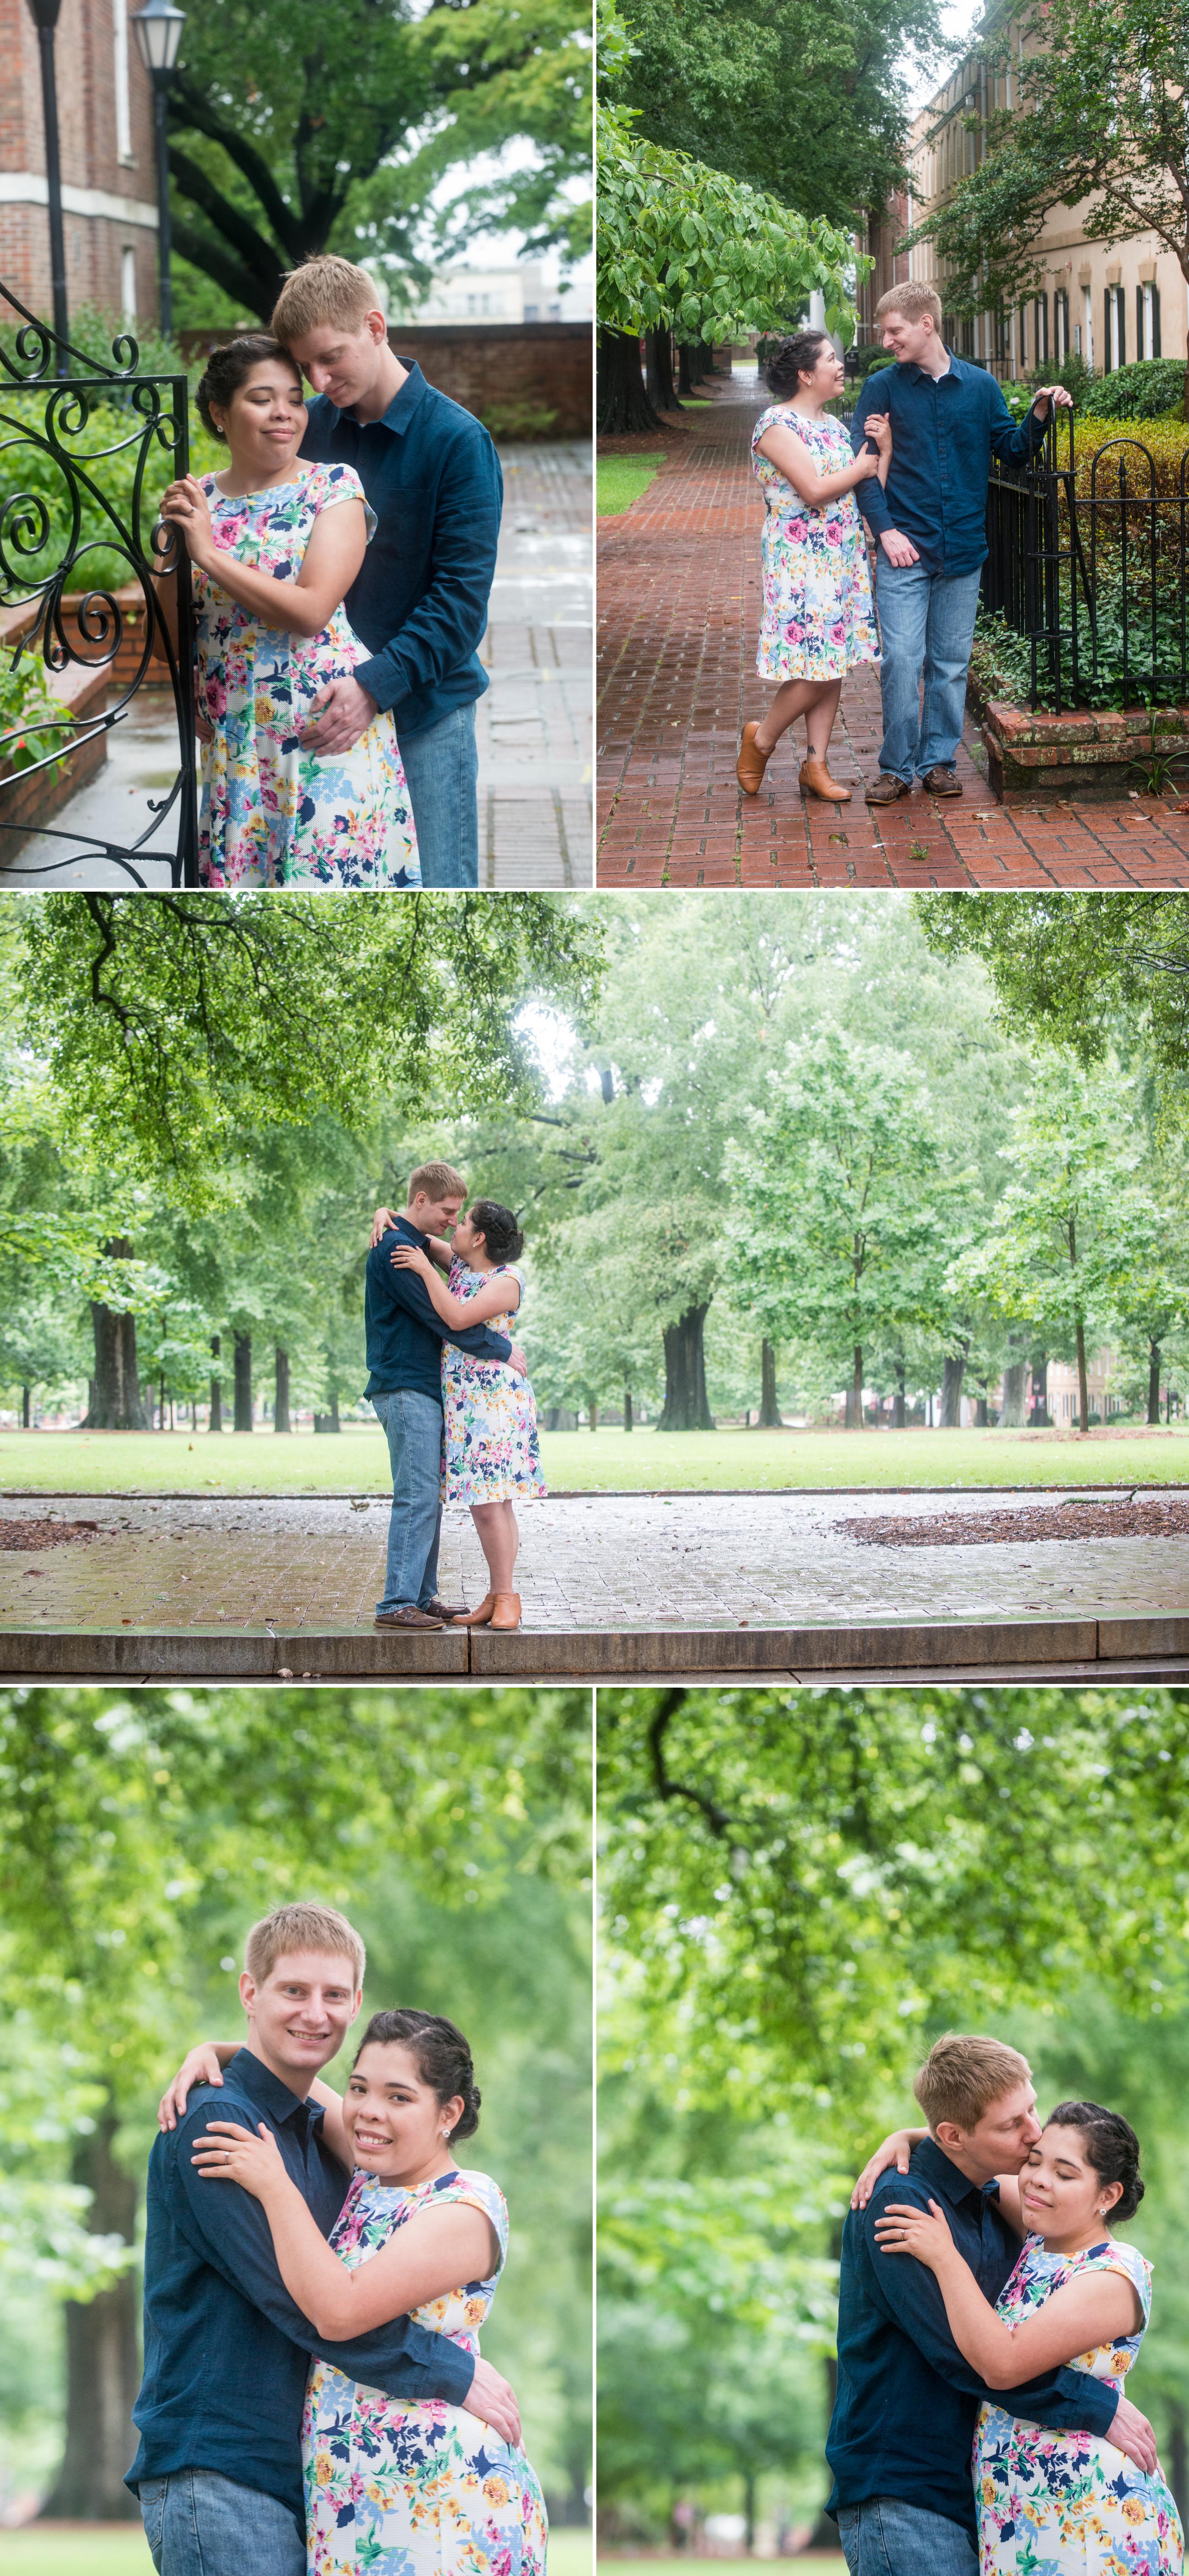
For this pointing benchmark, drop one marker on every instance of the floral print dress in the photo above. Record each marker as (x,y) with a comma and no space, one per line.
(490,1451)
(818,620)
(272,814)
(397,2487)
(1070,2504)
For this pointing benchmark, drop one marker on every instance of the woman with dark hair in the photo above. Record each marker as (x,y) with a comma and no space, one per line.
(1051,2504)
(392,2483)
(274,546)
(491,1457)
(818,621)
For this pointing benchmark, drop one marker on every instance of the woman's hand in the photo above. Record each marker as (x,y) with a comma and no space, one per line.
(902,2229)
(199,2066)
(878,425)
(382,1224)
(186,507)
(894,2150)
(227,2153)
(409,1256)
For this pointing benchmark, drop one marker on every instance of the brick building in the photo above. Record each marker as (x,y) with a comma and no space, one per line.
(105,123)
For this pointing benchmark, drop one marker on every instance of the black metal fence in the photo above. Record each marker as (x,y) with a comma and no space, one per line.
(77,522)
(1087,567)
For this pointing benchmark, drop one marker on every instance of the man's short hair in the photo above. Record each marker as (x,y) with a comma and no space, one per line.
(290,1928)
(438,1180)
(324,290)
(962,2076)
(910,300)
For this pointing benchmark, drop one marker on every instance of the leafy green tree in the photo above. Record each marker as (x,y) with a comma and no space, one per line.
(1091,972)
(1076,1235)
(348,123)
(847,1213)
(1097,122)
(139,1839)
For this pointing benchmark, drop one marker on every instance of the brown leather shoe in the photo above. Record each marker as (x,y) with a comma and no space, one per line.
(447,1609)
(506,1613)
(941,782)
(752,762)
(814,780)
(478,1617)
(405,1617)
(887,789)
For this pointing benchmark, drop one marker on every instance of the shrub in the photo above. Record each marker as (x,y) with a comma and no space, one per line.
(26,699)
(519,420)
(1167,442)
(26,467)
(1141,391)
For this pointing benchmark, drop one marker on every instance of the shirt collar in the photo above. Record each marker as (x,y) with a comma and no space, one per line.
(258,2081)
(930,2164)
(404,1225)
(402,406)
(951,370)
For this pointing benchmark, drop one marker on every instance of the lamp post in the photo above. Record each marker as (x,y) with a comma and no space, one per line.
(158,35)
(44,14)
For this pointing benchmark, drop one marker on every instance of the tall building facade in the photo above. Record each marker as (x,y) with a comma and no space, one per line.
(105,123)
(1109,301)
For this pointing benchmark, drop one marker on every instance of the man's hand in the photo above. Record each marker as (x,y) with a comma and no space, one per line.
(339,715)
(1051,394)
(517,1360)
(1132,2434)
(899,550)
(490,2398)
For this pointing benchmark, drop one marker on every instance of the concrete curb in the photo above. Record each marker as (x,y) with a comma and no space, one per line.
(879,1649)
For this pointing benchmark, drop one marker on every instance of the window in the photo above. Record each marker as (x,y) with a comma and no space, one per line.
(1040,311)
(1115,352)
(1087,339)
(128,282)
(1060,326)
(1147,321)
(119,16)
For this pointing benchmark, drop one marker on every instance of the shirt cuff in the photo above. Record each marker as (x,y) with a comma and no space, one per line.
(377,677)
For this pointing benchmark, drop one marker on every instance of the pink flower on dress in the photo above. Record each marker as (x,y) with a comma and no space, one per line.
(794,634)
(797,530)
(838,633)
(833,533)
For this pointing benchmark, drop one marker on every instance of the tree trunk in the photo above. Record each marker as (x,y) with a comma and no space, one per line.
(1083,1390)
(592,1409)
(980,1411)
(335,1424)
(27,1391)
(1154,1382)
(686,362)
(658,371)
(281,1405)
(749,2511)
(117,1403)
(769,1408)
(899,1401)
(1038,1418)
(627,1408)
(216,1422)
(686,1407)
(623,405)
(1012,1413)
(952,1374)
(243,1381)
(854,1393)
(102,2357)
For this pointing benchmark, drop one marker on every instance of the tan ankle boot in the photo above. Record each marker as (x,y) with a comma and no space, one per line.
(506,1613)
(752,762)
(814,779)
(479,1617)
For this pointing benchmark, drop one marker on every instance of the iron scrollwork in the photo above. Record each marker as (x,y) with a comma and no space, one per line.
(76,492)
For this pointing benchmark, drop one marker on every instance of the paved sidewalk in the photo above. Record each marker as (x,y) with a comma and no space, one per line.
(609,1567)
(679,614)
(534,723)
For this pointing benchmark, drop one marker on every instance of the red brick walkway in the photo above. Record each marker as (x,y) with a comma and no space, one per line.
(679,611)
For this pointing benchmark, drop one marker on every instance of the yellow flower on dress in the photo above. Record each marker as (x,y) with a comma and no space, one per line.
(1132,2509)
(496,2490)
(324,2472)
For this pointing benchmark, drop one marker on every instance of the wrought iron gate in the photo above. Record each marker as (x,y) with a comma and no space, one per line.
(76,491)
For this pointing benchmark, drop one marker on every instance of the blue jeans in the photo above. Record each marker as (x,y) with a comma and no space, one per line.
(200,2524)
(885,2537)
(414,1426)
(926,626)
(442,770)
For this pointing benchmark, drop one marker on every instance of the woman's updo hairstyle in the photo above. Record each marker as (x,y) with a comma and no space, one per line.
(788,360)
(442,2056)
(1111,2147)
(499,1229)
(228,368)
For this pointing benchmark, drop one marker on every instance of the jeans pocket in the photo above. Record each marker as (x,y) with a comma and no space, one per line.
(153,2492)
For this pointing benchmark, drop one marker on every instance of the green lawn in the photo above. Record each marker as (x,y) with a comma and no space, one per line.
(619,480)
(104,1462)
(90,2552)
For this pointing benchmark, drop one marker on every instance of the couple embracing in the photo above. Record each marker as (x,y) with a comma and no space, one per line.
(317,2269)
(450,1387)
(980,2426)
(341,561)
(915,467)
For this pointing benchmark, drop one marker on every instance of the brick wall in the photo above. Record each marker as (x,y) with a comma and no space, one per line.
(543,365)
(85,63)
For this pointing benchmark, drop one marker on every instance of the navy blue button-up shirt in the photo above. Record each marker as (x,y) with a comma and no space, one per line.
(226,2351)
(404,1331)
(907,2403)
(420,600)
(945,430)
